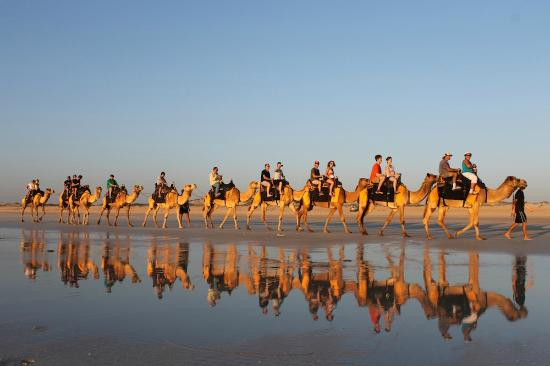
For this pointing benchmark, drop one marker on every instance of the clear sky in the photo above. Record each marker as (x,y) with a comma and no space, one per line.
(136,87)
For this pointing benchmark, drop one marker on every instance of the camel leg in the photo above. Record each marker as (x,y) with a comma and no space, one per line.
(23,212)
(211,212)
(235,218)
(327,221)
(306,223)
(248,215)
(86,216)
(467,227)
(116,216)
(146,216)
(388,221)
(402,221)
(441,221)
(155,212)
(166,212)
(100,214)
(343,219)
(426,220)
(280,224)
(61,215)
(298,219)
(475,214)
(264,212)
(225,217)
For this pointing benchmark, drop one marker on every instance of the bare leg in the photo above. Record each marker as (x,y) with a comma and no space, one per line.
(525,234)
(510,230)
(381,180)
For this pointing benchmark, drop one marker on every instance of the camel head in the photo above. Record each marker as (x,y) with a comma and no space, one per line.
(189,188)
(254,185)
(515,182)
(362,184)
(98,191)
(138,189)
(430,179)
(49,191)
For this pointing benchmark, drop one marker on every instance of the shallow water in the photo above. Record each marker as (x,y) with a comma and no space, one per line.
(99,298)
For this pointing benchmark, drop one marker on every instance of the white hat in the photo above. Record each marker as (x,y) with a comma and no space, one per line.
(447,154)
(467,153)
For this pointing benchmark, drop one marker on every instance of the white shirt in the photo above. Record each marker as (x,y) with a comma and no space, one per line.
(278,174)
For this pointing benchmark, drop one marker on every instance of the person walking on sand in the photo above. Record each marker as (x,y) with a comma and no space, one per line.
(518,210)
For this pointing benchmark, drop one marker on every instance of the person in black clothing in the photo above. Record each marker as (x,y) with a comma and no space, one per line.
(266,180)
(67,187)
(315,176)
(518,210)
(75,184)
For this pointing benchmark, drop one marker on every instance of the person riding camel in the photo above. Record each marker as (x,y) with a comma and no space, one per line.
(30,190)
(216,181)
(390,174)
(329,176)
(279,177)
(75,184)
(376,175)
(112,184)
(315,176)
(37,187)
(161,184)
(67,187)
(469,170)
(266,180)
(445,170)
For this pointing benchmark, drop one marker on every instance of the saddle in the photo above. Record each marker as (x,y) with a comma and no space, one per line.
(159,196)
(112,198)
(274,191)
(463,184)
(224,187)
(80,191)
(388,193)
(324,196)
(30,197)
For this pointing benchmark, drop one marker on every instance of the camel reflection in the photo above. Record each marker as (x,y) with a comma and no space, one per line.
(34,254)
(73,258)
(462,304)
(165,264)
(220,270)
(115,263)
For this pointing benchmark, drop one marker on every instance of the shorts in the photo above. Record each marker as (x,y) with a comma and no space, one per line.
(521,217)
(266,183)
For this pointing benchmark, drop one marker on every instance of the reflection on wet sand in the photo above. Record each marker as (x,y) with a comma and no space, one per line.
(166,263)
(323,276)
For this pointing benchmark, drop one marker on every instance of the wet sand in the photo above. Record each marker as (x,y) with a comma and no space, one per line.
(494,221)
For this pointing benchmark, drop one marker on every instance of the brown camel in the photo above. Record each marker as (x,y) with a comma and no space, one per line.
(173,200)
(123,199)
(403,197)
(483,196)
(340,197)
(286,199)
(232,198)
(85,201)
(37,201)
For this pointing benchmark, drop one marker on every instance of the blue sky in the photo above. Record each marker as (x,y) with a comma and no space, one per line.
(136,87)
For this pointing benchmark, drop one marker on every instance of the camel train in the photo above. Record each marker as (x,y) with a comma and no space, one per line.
(437,192)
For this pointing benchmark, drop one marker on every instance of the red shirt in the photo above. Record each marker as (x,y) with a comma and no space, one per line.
(376,169)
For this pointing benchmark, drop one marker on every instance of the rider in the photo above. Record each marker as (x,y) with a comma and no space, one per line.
(161,184)
(446,171)
(111,185)
(315,176)
(30,189)
(469,170)
(75,184)
(329,176)
(391,174)
(37,187)
(67,187)
(266,179)
(279,176)
(215,181)
(376,175)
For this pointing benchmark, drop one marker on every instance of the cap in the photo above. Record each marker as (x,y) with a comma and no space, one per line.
(447,154)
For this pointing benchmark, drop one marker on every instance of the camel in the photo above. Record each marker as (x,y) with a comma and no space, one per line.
(85,201)
(232,198)
(287,199)
(123,199)
(337,203)
(403,197)
(173,200)
(37,201)
(489,196)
